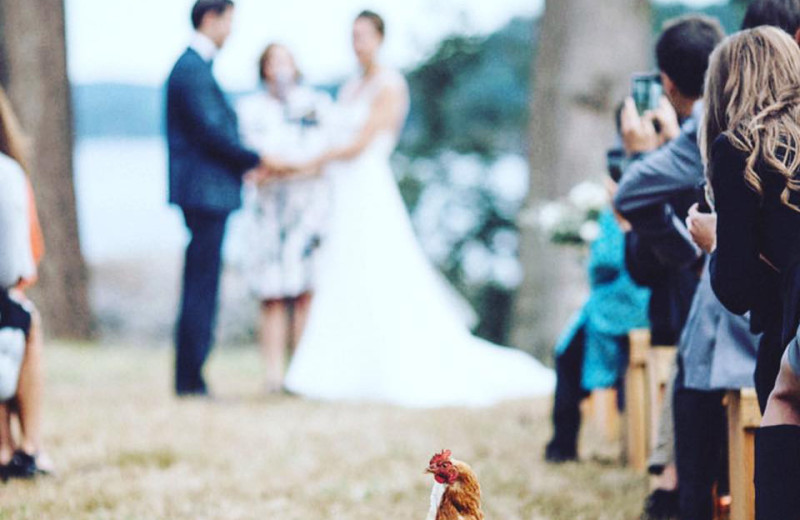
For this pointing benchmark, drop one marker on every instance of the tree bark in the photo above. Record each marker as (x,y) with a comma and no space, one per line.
(587,53)
(34,71)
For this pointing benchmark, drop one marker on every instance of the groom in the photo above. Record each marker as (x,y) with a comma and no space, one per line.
(206,164)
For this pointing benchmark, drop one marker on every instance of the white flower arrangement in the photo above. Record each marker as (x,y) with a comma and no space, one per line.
(573,220)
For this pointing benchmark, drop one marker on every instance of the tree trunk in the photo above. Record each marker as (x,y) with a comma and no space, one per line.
(587,53)
(34,71)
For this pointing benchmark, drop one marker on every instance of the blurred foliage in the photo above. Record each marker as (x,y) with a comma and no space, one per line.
(471,96)
(729,14)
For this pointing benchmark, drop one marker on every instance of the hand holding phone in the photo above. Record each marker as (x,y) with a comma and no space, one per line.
(702,198)
(646,91)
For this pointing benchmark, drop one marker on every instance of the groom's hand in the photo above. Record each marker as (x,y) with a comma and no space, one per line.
(258,175)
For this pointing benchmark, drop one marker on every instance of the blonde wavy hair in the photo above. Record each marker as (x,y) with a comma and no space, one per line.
(13,142)
(752,96)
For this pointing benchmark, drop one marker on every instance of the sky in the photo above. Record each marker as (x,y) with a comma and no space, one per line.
(137,41)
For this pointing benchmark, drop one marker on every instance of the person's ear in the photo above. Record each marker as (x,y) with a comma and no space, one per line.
(797,36)
(670,90)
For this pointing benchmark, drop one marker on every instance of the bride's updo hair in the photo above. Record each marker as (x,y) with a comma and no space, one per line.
(375,19)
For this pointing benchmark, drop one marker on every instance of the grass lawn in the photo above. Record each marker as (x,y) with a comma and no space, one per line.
(126,449)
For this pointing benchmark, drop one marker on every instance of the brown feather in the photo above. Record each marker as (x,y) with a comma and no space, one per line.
(462,498)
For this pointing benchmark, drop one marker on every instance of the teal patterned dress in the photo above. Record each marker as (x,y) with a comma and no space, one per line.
(616,305)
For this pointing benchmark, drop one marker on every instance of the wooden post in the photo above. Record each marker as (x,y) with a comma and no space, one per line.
(601,411)
(744,417)
(660,361)
(636,429)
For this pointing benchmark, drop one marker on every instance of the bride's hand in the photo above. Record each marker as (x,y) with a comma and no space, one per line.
(312,167)
(278,168)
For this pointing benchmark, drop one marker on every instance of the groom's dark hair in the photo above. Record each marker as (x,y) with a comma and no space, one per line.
(203,7)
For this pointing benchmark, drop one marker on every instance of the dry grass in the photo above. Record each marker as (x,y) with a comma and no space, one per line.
(126,449)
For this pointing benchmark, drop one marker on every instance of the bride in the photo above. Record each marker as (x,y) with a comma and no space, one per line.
(382,326)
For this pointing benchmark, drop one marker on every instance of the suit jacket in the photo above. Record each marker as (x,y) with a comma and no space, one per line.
(655,193)
(206,157)
(717,350)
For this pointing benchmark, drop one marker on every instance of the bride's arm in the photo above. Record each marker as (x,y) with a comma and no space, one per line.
(386,113)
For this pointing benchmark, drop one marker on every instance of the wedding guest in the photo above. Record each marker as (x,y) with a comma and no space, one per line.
(750,139)
(21,248)
(655,194)
(284,219)
(206,164)
(591,353)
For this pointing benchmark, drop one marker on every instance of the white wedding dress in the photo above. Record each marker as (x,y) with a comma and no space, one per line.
(382,326)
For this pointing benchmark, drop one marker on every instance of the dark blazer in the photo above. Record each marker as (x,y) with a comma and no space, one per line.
(750,228)
(206,157)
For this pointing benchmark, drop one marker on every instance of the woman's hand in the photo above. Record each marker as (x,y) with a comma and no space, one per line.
(703,228)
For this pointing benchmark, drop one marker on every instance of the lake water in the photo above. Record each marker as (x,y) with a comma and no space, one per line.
(134,241)
(121,190)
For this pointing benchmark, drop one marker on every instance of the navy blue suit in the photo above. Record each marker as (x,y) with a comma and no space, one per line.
(206,163)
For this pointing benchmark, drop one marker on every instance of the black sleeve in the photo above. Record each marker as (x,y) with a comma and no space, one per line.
(641,263)
(735,263)
(203,109)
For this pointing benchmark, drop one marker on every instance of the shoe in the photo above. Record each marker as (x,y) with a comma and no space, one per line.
(25,466)
(201,392)
(555,455)
(661,504)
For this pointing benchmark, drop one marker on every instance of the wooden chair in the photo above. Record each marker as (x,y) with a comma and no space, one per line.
(744,416)
(637,429)
(600,410)
(660,364)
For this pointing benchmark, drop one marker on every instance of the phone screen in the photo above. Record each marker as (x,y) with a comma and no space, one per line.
(646,91)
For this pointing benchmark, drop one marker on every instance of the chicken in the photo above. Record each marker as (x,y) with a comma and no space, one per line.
(456,494)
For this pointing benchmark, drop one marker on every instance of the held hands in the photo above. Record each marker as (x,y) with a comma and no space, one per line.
(703,228)
(639,134)
(269,169)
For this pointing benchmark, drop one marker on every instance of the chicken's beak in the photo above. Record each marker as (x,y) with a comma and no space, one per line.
(428,470)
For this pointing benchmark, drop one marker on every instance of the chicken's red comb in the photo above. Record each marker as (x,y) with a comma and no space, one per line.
(437,459)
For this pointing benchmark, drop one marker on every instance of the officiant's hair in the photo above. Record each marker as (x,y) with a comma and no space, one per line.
(203,7)
(376,20)
(267,55)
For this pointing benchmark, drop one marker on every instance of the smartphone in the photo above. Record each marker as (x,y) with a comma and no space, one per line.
(702,200)
(615,157)
(646,91)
